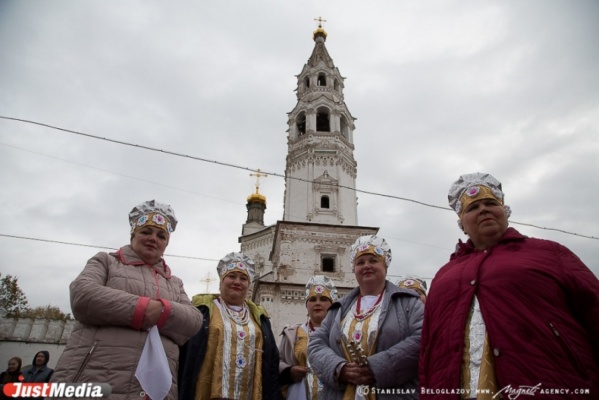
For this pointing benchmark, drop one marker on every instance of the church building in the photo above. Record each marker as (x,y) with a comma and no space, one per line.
(320,219)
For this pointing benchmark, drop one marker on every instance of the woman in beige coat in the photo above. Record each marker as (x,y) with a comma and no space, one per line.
(117,298)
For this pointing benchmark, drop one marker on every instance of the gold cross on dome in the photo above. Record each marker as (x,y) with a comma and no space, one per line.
(258,175)
(320,21)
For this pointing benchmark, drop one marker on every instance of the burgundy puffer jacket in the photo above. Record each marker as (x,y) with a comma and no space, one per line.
(540,305)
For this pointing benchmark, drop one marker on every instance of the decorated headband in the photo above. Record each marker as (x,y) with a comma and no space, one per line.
(320,285)
(152,213)
(236,262)
(474,187)
(413,283)
(371,244)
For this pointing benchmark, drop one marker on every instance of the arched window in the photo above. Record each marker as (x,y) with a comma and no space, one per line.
(322,120)
(300,124)
(307,81)
(325,202)
(322,79)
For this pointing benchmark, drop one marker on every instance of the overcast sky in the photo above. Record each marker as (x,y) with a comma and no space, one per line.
(439,89)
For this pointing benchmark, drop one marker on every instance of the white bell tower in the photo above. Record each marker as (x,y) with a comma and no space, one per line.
(320,175)
(320,220)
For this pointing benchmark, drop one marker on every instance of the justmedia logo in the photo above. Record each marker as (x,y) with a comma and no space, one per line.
(67,390)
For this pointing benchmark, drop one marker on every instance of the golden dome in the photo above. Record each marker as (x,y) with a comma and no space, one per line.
(256,197)
(319,32)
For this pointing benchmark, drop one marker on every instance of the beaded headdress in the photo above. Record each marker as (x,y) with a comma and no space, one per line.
(371,244)
(236,262)
(417,284)
(320,285)
(473,187)
(152,213)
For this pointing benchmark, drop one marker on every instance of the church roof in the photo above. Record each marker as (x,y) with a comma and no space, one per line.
(320,52)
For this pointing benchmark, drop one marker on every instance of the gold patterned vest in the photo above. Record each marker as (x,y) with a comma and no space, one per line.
(300,350)
(232,367)
(362,330)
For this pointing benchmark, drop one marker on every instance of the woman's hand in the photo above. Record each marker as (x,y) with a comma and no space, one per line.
(356,375)
(297,373)
(152,314)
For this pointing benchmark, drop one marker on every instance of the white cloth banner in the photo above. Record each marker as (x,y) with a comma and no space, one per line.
(152,371)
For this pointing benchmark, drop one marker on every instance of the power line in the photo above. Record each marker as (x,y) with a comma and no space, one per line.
(271,173)
(555,229)
(214,161)
(123,175)
(234,202)
(95,246)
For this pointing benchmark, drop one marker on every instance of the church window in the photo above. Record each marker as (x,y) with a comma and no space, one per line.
(307,82)
(322,120)
(322,80)
(325,202)
(328,263)
(301,124)
(344,127)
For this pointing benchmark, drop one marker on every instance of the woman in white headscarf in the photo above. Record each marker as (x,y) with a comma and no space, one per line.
(117,298)
(368,344)
(299,380)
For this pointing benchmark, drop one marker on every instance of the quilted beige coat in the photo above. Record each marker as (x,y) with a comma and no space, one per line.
(109,299)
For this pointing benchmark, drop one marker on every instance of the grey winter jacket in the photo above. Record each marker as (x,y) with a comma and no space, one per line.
(395,363)
(42,374)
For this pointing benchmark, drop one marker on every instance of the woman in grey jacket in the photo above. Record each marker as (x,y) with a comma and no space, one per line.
(368,345)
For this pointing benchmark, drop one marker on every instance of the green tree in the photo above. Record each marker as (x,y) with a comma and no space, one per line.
(12,299)
(48,312)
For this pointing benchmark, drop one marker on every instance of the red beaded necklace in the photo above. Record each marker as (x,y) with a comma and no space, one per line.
(361,316)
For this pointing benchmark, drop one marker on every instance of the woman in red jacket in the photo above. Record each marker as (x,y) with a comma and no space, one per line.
(508,314)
